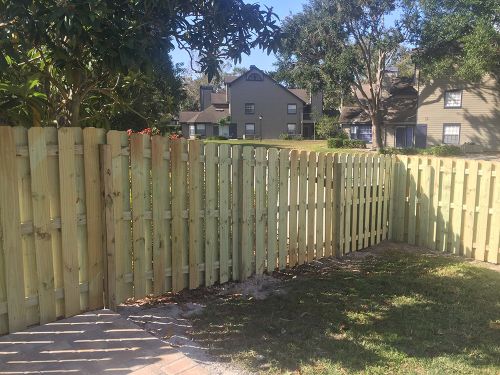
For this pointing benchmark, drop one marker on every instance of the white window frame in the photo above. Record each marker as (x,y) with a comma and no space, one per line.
(246,127)
(293,111)
(450,102)
(451,130)
(192,130)
(294,132)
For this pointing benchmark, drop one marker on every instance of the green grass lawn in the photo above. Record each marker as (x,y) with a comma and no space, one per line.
(398,312)
(308,145)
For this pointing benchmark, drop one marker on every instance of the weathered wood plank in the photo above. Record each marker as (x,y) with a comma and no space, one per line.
(483,215)
(248,214)
(138,170)
(302,228)
(260,209)
(237,207)
(342,163)
(413,163)
(355,203)
(293,230)
(109,261)
(159,173)
(348,204)
(387,195)
(369,201)
(284,171)
(458,199)
(362,201)
(380,198)
(92,137)
(337,204)
(445,205)
(375,188)
(494,241)
(328,230)
(425,203)
(272,209)
(224,211)
(320,206)
(470,201)
(10,231)
(311,205)
(67,175)
(121,204)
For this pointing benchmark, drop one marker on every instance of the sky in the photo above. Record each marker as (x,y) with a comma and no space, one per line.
(258,57)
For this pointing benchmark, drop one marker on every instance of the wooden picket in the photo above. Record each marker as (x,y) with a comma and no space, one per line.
(83,229)
(449,205)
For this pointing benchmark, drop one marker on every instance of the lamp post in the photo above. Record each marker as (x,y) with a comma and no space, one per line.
(260,126)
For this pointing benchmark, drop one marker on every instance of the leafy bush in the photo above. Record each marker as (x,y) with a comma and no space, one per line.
(335,142)
(289,137)
(353,143)
(444,150)
(328,127)
(217,138)
(401,151)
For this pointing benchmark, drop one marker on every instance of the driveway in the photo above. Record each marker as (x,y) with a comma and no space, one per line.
(92,343)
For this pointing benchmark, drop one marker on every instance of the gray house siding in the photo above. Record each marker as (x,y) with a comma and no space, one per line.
(271,102)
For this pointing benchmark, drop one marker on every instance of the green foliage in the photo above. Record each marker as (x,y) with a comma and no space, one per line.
(97,59)
(345,143)
(335,143)
(444,150)
(217,138)
(353,143)
(458,38)
(289,137)
(439,150)
(328,127)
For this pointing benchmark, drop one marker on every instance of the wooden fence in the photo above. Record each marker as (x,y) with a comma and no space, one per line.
(447,204)
(89,219)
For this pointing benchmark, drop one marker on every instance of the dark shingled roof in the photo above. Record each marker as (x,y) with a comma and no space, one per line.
(218,97)
(400,105)
(301,93)
(210,115)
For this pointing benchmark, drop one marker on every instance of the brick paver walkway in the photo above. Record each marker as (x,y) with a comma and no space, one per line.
(92,343)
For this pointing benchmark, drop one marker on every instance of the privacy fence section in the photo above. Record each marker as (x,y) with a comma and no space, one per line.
(89,219)
(449,205)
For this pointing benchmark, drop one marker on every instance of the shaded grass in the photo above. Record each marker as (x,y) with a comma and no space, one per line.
(398,312)
(308,145)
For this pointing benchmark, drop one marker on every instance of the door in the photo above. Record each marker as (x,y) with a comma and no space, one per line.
(233,131)
(421,136)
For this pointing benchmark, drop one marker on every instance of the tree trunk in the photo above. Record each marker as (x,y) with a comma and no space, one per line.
(75,110)
(377,123)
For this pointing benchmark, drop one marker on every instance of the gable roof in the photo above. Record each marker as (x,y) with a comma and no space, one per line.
(301,93)
(400,106)
(254,68)
(211,115)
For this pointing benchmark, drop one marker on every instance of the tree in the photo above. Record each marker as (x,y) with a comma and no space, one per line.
(345,47)
(457,38)
(86,52)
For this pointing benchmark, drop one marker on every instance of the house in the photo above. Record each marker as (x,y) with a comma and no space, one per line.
(400,100)
(457,112)
(433,112)
(253,105)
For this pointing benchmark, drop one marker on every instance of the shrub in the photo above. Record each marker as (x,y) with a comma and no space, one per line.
(444,150)
(289,137)
(400,151)
(217,138)
(353,143)
(335,142)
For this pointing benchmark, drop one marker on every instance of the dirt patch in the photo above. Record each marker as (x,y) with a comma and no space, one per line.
(168,317)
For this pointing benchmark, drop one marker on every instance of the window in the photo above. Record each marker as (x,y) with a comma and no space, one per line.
(198,129)
(254,77)
(249,108)
(451,134)
(404,136)
(292,128)
(453,99)
(250,129)
(362,132)
(292,109)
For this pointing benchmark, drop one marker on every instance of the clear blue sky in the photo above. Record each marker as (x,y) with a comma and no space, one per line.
(258,57)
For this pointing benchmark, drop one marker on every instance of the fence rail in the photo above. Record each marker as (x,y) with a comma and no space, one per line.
(89,219)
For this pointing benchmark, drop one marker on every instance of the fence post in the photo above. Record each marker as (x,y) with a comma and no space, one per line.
(393,188)
(109,260)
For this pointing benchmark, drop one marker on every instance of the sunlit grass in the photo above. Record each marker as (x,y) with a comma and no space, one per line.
(394,313)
